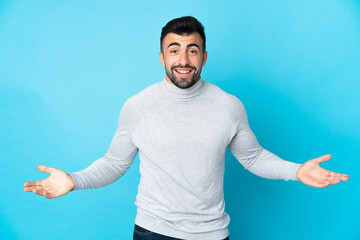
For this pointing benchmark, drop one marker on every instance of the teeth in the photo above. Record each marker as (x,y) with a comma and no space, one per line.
(183,72)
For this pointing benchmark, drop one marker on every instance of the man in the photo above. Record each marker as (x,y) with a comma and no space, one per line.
(181,127)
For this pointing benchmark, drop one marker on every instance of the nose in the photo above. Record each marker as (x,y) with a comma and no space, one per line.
(184,58)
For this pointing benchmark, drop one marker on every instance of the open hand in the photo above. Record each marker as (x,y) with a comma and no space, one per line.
(310,173)
(56,185)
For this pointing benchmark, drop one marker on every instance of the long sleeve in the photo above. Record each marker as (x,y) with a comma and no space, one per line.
(245,147)
(116,161)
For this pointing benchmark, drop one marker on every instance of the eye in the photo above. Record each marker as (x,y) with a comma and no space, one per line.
(193,51)
(173,51)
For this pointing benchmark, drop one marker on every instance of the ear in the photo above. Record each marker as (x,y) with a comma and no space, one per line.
(204,58)
(161,55)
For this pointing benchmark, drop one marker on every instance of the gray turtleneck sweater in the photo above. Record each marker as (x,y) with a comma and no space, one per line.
(181,136)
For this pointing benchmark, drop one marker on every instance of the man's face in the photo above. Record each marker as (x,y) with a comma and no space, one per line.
(183,57)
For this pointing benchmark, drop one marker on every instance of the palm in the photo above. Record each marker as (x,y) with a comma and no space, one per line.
(57,184)
(310,173)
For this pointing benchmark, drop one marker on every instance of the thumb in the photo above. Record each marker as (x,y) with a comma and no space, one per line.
(45,169)
(323,158)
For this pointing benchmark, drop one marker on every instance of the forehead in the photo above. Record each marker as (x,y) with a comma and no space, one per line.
(182,39)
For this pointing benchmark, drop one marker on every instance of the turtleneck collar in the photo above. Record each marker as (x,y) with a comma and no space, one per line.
(175,93)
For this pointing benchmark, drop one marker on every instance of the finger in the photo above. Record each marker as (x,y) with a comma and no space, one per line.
(27,189)
(35,183)
(323,184)
(48,195)
(41,192)
(335,181)
(340,176)
(45,169)
(331,181)
(38,191)
(323,158)
(344,178)
(30,189)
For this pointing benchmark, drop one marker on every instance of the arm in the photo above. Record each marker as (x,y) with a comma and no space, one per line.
(116,161)
(245,147)
(100,173)
(261,162)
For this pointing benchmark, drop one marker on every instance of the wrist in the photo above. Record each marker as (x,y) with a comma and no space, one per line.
(72,188)
(298,173)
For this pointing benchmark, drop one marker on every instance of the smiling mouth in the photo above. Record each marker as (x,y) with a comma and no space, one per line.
(183,71)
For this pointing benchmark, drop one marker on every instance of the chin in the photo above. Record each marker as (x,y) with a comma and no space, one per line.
(184,83)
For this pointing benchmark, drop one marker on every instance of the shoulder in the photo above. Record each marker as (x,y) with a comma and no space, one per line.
(231,105)
(146,95)
(144,99)
(224,99)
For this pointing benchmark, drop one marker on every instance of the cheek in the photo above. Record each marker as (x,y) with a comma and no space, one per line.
(197,62)
(169,62)
(169,65)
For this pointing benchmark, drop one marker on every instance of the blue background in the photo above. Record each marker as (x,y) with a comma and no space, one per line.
(66,68)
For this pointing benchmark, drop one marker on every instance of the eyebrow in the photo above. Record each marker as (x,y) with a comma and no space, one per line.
(189,45)
(193,45)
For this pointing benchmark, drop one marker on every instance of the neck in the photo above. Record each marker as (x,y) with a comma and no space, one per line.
(182,94)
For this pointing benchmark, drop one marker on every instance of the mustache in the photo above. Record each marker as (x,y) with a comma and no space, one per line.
(186,66)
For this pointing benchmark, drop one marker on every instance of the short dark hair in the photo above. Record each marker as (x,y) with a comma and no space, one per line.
(183,26)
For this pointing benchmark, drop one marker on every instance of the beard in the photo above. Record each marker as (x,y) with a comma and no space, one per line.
(183,82)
